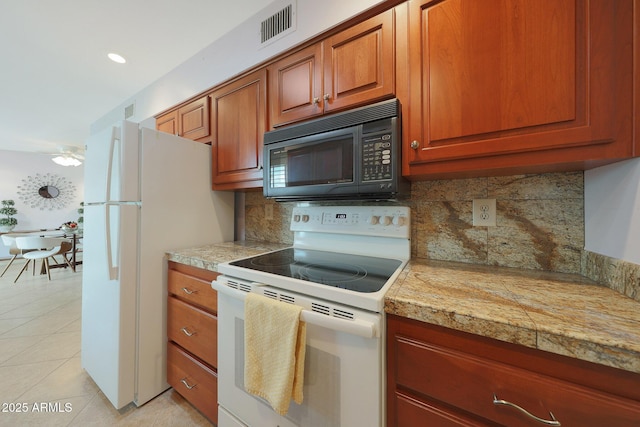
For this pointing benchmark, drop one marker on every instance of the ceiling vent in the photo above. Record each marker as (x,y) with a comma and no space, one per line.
(278,25)
(129,111)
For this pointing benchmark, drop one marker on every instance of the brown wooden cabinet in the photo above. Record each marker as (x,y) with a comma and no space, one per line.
(188,121)
(238,123)
(192,331)
(437,376)
(511,86)
(168,122)
(295,86)
(193,119)
(350,68)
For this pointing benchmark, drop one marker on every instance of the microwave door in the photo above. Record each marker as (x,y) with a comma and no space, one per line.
(320,164)
(312,167)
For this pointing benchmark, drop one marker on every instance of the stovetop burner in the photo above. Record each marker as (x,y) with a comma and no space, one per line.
(353,272)
(329,274)
(271,260)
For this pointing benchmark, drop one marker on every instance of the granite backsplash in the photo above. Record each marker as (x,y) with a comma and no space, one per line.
(539,225)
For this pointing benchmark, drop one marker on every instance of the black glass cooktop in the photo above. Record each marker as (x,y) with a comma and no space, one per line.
(353,272)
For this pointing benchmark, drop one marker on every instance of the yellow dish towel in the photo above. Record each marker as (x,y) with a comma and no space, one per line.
(274,350)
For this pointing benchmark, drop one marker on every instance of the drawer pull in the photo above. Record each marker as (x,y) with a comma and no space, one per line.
(186,384)
(186,332)
(552,422)
(189,291)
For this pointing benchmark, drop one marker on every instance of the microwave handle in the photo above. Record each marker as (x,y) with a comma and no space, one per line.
(353,327)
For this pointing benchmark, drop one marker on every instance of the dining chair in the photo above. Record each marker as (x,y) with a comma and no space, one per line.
(42,248)
(9,240)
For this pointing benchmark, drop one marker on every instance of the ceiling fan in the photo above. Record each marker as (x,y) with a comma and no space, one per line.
(69,156)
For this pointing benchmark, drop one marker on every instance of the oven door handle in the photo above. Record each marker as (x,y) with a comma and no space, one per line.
(354,327)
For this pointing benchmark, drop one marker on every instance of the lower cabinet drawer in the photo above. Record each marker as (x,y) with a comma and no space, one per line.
(192,289)
(411,411)
(193,329)
(195,381)
(470,383)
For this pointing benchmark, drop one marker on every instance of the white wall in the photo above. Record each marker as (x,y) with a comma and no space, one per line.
(231,54)
(15,167)
(612,210)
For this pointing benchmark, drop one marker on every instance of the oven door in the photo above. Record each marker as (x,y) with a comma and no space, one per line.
(343,379)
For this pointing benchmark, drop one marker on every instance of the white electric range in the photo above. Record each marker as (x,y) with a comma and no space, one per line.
(342,263)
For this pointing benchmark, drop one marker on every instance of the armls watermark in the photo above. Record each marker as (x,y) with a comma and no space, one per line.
(48,407)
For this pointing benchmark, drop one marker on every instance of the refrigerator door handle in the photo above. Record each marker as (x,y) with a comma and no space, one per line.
(112,266)
(115,131)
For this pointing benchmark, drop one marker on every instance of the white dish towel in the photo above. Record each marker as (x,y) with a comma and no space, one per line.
(274,343)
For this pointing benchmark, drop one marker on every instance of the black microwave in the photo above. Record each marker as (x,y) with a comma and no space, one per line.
(346,156)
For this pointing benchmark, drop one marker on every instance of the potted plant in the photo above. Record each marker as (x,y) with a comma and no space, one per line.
(7,209)
(81,217)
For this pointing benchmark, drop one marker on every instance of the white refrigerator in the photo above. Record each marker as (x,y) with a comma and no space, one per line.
(146,192)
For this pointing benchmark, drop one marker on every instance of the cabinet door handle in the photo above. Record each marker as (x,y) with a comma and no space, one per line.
(186,332)
(326,96)
(415,144)
(189,291)
(552,422)
(316,100)
(186,384)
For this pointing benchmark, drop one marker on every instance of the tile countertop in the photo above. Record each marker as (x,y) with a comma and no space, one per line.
(559,313)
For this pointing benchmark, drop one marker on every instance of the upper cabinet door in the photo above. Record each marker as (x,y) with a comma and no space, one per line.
(168,123)
(238,123)
(295,85)
(189,121)
(359,63)
(498,66)
(354,67)
(193,119)
(493,80)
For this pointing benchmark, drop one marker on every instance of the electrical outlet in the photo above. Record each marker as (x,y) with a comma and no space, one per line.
(484,212)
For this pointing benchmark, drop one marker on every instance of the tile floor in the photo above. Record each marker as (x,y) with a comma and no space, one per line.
(41,380)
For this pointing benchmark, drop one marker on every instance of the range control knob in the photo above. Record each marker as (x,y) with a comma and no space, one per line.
(399,221)
(296,218)
(373,220)
(387,220)
(305,218)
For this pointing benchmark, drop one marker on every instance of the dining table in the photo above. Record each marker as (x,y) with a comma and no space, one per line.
(73,236)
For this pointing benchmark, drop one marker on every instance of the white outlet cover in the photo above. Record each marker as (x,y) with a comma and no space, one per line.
(484,212)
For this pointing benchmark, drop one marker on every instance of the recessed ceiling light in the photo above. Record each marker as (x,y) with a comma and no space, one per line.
(116,58)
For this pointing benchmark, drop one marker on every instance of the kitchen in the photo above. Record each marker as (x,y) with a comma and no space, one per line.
(543,221)
(537,228)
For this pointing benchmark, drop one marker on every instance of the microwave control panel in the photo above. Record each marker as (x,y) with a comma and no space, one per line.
(377,157)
